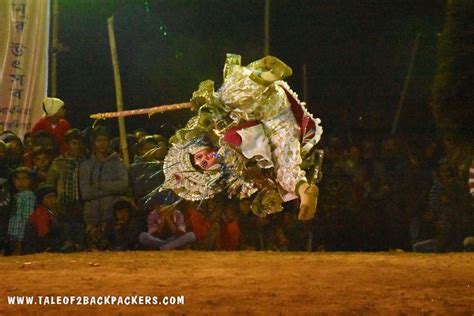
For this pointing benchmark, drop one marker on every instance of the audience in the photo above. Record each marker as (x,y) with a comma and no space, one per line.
(377,194)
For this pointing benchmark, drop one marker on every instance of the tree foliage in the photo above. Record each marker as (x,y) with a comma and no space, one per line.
(453,90)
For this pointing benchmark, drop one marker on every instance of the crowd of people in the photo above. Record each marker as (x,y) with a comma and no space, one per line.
(65,190)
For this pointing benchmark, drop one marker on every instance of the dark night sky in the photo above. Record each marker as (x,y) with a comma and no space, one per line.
(356,52)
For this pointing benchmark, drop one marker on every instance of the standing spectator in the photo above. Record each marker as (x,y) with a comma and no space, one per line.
(42,159)
(54,122)
(166,229)
(40,139)
(103,179)
(146,171)
(64,176)
(22,206)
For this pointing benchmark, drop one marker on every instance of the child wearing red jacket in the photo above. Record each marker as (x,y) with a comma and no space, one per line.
(43,220)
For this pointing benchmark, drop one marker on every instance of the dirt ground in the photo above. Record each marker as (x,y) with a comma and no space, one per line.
(246,282)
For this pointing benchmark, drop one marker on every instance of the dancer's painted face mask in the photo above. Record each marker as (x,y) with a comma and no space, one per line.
(206,159)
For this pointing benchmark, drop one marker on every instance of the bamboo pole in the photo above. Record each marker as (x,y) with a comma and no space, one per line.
(305,82)
(118,90)
(150,111)
(54,49)
(407,81)
(266,47)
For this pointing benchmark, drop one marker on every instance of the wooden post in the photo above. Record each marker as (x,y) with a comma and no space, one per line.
(266,47)
(118,90)
(54,49)
(405,85)
(305,82)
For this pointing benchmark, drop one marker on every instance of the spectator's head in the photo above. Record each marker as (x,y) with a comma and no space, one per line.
(122,210)
(445,173)
(100,140)
(390,147)
(244,206)
(369,150)
(140,133)
(14,146)
(42,158)
(74,140)
(156,200)
(45,140)
(28,141)
(46,195)
(54,107)
(22,179)
(151,148)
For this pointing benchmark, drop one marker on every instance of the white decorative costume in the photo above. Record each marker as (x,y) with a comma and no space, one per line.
(256,121)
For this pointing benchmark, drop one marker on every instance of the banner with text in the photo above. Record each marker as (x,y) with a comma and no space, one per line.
(24,35)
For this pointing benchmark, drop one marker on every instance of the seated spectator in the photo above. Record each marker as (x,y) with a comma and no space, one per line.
(64,176)
(469,241)
(54,122)
(43,220)
(23,205)
(206,229)
(122,232)
(5,197)
(215,223)
(166,229)
(103,179)
(4,213)
(444,212)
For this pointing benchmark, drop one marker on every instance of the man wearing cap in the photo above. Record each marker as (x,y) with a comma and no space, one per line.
(54,122)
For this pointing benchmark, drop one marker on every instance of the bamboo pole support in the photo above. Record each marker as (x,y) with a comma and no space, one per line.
(118,90)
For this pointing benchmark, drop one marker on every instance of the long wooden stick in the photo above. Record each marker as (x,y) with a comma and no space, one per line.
(405,85)
(150,111)
(118,90)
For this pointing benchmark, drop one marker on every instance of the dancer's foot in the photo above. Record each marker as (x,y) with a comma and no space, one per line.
(309,199)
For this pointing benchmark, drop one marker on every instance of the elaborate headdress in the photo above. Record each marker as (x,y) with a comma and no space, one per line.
(184,179)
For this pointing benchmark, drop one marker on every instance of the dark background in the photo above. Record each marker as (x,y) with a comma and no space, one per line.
(356,52)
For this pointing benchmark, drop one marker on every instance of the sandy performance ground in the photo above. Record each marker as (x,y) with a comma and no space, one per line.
(244,282)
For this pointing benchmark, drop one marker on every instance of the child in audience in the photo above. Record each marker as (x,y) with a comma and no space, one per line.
(23,205)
